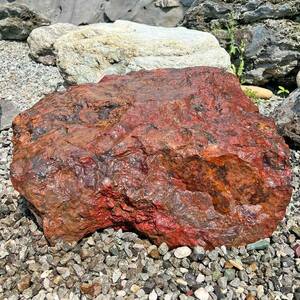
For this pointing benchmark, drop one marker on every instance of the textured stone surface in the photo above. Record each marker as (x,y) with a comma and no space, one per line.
(82,12)
(180,155)
(287,116)
(8,111)
(88,54)
(273,52)
(41,41)
(269,29)
(205,12)
(66,11)
(159,13)
(17,21)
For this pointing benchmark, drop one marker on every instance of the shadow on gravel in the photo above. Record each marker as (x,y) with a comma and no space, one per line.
(27,210)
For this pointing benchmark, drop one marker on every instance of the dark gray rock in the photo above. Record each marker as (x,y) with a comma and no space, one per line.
(187,3)
(287,117)
(272,52)
(205,13)
(269,29)
(17,21)
(261,10)
(7,113)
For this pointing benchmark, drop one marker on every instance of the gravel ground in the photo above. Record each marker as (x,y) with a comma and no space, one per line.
(120,265)
(21,79)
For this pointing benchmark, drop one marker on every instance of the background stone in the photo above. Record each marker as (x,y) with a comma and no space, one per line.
(95,50)
(287,116)
(82,12)
(270,30)
(17,21)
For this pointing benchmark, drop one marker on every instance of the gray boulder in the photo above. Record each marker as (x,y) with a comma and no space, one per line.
(67,11)
(159,13)
(269,29)
(287,117)
(17,21)
(82,12)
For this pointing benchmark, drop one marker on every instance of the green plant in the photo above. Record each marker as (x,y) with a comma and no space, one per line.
(235,49)
(252,95)
(282,91)
(231,31)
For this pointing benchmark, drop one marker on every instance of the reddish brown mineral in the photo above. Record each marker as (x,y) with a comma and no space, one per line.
(181,156)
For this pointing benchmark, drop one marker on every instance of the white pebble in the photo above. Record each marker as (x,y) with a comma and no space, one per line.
(260,291)
(181,281)
(224,250)
(121,293)
(116,275)
(182,252)
(153,295)
(200,278)
(201,294)
(168,296)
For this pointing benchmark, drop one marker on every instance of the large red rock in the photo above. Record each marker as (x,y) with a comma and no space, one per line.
(181,156)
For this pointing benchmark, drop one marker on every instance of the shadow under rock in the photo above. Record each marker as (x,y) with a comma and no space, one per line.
(27,210)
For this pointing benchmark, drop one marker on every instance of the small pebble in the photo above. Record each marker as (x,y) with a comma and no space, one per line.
(202,294)
(135,288)
(222,282)
(259,245)
(153,295)
(200,278)
(236,264)
(182,252)
(163,249)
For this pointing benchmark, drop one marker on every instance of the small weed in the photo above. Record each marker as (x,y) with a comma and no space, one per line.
(236,50)
(282,91)
(253,96)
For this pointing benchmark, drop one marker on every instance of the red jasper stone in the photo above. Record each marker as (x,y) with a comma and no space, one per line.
(182,156)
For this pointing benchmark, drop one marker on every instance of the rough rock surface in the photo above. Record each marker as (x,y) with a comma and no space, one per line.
(17,21)
(66,11)
(287,116)
(269,29)
(179,155)
(273,53)
(8,111)
(41,41)
(82,12)
(159,13)
(88,54)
